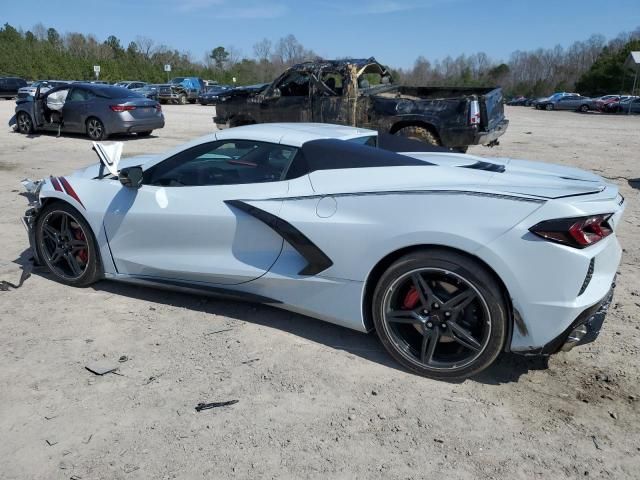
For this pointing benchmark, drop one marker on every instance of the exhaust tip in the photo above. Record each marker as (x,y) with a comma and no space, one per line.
(574,337)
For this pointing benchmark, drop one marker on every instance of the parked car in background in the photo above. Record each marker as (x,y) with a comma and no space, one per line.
(569,102)
(520,101)
(209,96)
(181,90)
(362,93)
(149,91)
(131,85)
(626,104)
(541,103)
(94,109)
(601,104)
(9,86)
(43,85)
(596,101)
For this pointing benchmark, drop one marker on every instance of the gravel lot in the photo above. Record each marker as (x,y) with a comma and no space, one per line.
(315,400)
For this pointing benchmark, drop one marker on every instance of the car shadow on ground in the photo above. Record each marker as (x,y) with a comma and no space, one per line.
(120,137)
(508,368)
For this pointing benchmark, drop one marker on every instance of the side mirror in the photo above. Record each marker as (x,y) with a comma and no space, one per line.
(275,94)
(131,177)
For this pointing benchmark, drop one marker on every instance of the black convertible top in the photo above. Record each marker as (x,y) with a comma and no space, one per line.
(333,154)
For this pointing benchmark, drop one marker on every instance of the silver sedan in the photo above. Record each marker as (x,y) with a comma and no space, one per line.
(97,110)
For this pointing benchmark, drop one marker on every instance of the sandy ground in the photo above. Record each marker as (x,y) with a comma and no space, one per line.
(315,400)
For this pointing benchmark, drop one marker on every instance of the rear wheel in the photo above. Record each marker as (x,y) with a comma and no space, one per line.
(584,108)
(95,129)
(67,246)
(419,133)
(25,124)
(440,314)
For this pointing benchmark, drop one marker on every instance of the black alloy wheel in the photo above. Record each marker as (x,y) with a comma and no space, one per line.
(441,316)
(66,245)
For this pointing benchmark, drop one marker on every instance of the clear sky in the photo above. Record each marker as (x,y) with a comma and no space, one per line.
(394,31)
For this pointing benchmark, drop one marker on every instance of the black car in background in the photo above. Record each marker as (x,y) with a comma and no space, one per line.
(210,95)
(9,86)
(147,90)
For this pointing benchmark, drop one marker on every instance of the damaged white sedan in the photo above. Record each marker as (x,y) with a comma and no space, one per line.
(450,258)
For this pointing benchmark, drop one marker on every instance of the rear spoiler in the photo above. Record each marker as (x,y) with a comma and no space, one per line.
(109,156)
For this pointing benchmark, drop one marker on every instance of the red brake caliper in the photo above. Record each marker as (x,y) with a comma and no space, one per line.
(411,299)
(82,254)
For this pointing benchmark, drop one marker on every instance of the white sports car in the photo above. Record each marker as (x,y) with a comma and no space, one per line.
(451,258)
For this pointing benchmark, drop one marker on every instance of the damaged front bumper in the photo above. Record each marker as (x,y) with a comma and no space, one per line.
(31,215)
(29,221)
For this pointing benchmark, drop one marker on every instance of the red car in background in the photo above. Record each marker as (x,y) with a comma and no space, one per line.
(601,103)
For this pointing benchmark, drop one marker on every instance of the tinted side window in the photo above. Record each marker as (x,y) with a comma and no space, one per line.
(227,162)
(78,95)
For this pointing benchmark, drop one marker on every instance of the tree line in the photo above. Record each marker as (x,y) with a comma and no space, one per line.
(593,66)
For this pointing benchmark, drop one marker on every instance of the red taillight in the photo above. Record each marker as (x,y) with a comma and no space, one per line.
(578,232)
(122,108)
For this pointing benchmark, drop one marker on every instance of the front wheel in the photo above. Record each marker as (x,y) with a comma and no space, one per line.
(548,107)
(584,108)
(66,245)
(182,99)
(95,129)
(25,124)
(440,314)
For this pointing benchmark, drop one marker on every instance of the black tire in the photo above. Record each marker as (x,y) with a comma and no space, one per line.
(460,149)
(548,107)
(584,108)
(419,133)
(468,338)
(182,99)
(67,247)
(25,123)
(95,129)
(145,134)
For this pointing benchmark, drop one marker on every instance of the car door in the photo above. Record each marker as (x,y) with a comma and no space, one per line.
(75,109)
(177,226)
(330,99)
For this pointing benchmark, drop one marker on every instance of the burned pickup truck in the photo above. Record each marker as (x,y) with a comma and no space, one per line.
(361,93)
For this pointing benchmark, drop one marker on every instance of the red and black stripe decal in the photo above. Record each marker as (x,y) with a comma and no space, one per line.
(70,191)
(56,184)
(61,183)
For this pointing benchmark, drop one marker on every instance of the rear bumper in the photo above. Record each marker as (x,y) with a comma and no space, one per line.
(584,329)
(133,126)
(464,136)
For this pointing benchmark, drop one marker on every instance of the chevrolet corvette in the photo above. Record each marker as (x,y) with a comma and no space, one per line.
(452,259)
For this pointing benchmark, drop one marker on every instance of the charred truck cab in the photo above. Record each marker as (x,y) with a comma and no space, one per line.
(362,93)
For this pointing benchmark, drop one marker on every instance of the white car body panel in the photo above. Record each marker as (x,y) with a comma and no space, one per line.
(357,217)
